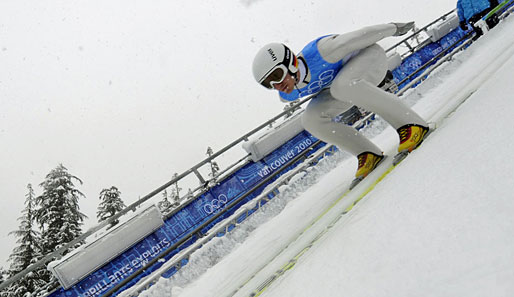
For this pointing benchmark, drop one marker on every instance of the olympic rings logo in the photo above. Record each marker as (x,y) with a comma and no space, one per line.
(215,204)
(325,78)
(414,63)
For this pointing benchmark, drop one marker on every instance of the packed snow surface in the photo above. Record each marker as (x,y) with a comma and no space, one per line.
(440,224)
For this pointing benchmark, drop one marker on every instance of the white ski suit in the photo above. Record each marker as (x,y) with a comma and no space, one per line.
(364,67)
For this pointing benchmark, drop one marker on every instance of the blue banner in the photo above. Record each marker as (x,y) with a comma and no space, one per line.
(185,221)
(421,57)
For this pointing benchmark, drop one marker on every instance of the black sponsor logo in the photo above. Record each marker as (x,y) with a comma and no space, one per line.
(273,56)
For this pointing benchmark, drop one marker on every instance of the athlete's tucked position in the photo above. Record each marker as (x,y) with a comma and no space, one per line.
(342,70)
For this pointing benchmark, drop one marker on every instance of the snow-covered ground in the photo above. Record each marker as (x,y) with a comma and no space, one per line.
(440,224)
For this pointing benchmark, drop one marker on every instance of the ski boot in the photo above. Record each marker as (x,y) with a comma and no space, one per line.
(367,162)
(411,137)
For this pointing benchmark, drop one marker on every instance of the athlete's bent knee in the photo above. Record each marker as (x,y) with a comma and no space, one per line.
(312,121)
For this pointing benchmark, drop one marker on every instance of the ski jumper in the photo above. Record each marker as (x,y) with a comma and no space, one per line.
(358,66)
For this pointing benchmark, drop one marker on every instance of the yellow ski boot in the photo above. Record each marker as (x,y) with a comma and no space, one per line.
(367,162)
(411,136)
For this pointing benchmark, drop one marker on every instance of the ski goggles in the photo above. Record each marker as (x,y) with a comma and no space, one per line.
(275,76)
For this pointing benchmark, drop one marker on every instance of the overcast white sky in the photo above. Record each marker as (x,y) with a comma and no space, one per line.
(126,93)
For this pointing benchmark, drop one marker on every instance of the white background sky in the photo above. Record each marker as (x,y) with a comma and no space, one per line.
(126,93)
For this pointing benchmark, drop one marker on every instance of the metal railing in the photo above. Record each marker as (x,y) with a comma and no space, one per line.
(424,29)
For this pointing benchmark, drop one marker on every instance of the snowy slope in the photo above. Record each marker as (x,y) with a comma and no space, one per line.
(442,224)
(439,224)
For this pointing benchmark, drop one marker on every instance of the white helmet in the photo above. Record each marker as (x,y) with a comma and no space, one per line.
(272,63)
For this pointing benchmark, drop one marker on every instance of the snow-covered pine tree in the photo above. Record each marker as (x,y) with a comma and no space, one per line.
(59,215)
(213,165)
(164,204)
(27,238)
(110,204)
(28,250)
(175,193)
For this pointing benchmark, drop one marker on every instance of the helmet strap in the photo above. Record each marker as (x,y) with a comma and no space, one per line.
(296,80)
(293,74)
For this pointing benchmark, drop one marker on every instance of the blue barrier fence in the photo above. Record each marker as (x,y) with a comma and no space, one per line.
(424,56)
(187,219)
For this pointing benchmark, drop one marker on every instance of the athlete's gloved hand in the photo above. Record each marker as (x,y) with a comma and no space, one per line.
(463,25)
(403,28)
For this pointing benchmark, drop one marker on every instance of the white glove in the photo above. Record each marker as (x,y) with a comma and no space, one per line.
(403,28)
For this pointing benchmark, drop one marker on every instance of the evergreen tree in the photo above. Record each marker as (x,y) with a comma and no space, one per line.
(110,204)
(213,165)
(59,215)
(171,200)
(28,250)
(175,193)
(28,239)
(164,204)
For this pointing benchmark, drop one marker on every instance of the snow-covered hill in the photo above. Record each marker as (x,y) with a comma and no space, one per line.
(440,224)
